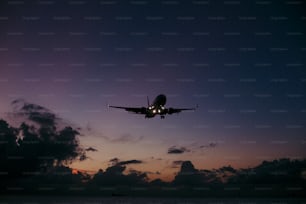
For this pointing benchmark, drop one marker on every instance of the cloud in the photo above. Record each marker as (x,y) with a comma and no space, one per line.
(227,169)
(194,147)
(35,113)
(38,141)
(282,171)
(133,161)
(146,172)
(114,176)
(41,117)
(177,150)
(210,145)
(187,168)
(91,149)
(190,176)
(116,161)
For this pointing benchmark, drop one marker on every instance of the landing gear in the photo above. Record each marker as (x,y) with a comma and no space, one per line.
(162,117)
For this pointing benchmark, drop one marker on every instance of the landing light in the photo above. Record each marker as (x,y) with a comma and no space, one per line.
(154,111)
(159,110)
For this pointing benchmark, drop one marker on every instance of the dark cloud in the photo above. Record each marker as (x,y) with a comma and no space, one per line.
(210,145)
(134,171)
(188,175)
(282,171)
(131,170)
(35,113)
(116,161)
(187,168)
(177,150)
(40,116)
(227,169)
(133,161)
(158,182)
(40,147)
(91,149)
(143,172)
(115,170)
(193,148)
(114,176)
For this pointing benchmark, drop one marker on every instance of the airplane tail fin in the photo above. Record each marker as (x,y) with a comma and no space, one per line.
(148,101)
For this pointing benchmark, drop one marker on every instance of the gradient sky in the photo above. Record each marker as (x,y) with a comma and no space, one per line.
(242,62)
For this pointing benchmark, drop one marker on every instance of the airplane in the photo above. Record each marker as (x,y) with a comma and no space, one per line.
(156,108)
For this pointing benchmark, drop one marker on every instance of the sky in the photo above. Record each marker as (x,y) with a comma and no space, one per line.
(241,62)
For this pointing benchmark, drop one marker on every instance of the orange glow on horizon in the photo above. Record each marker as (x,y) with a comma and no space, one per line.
(74,171)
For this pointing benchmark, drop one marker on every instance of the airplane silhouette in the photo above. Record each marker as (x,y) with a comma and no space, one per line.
(156,108)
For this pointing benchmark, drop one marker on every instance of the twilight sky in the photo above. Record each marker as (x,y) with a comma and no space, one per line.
(242,62)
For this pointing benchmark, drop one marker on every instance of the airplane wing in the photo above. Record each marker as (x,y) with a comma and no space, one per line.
(138,110)
(178,110)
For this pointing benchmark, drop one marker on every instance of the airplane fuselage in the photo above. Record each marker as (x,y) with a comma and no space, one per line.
(157,107)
